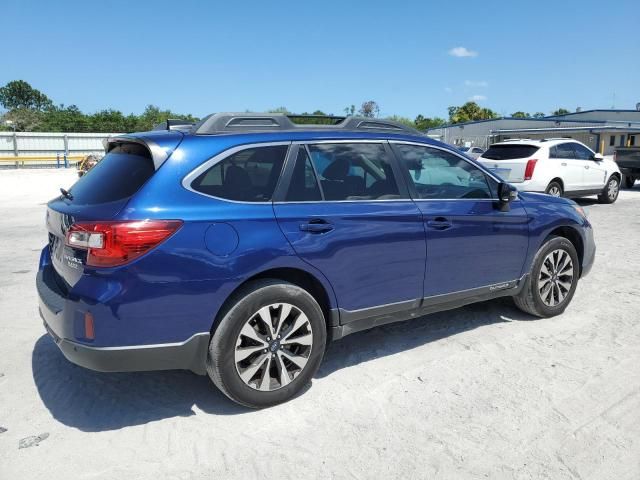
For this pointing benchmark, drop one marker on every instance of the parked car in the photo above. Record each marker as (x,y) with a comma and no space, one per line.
(628,160)
(473,152)
(558,167)
(241,247)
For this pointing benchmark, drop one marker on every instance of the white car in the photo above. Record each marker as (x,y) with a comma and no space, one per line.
(557,166)
(473,152)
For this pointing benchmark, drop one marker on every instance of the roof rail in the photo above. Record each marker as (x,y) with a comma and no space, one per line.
(515,139)
(555,138)
(243,122)
(174,124)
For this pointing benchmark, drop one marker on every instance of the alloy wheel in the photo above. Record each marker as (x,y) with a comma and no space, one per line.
(555,278)
(273,347)
(612,189)
(554,191)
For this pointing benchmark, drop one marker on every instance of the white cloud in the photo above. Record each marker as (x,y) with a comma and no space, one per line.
(448,89)
(462,52)
(477,98)
(474,83)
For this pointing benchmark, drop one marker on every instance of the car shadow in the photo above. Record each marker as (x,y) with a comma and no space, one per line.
(93,401)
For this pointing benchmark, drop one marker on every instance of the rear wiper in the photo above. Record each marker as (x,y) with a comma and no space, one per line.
(66,194)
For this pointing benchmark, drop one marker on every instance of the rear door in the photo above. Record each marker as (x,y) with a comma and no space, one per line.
(471,244)
(567,166)
(347,212)
(509,161)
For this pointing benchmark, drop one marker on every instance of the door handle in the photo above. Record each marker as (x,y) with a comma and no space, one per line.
(316,226)
(439,223)
(587,167)
(564,164)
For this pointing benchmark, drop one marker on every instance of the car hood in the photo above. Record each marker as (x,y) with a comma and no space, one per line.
(533,197)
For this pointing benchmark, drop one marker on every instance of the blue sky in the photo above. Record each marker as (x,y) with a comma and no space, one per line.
(411,57)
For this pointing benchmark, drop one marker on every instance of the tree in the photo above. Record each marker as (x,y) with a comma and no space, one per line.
(22,120)
(539,115)
(520,114)
(279,110)
(425,123)
(561,111)
(19,95)
(350,111)
(468,112)
(369,109)
(403,120)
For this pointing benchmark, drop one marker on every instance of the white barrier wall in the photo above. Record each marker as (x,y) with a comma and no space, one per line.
(28,144)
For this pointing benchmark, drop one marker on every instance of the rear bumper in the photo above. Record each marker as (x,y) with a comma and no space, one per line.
(55,311)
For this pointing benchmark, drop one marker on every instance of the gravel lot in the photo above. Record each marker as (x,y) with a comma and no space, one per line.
(480,392)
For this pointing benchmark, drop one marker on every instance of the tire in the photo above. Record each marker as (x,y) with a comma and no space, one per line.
(554,187)
(298,319)
(530,299)
(610,191)
(629,181)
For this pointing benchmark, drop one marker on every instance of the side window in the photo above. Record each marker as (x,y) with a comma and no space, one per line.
(437,174)
(354,171)
(304,184)
(582,152)
(553,152)
(565,151)
(249,175)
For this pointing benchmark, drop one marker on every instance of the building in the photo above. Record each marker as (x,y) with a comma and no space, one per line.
(601,130)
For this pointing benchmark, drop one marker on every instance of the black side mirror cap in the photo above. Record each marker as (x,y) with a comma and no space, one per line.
(507,193)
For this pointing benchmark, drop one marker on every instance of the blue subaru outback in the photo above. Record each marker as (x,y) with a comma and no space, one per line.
(239,246)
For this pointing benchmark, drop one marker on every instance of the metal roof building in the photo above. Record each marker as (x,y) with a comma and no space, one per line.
(601,130)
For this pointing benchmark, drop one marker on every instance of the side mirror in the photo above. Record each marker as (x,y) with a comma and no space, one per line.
(597,157)
(507,193)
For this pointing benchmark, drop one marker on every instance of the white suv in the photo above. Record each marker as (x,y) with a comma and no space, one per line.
(558,166)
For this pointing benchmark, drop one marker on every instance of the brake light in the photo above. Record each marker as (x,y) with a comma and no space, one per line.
(111,244)
(528,171)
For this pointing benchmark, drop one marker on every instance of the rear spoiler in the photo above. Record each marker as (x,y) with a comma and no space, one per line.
(159,154)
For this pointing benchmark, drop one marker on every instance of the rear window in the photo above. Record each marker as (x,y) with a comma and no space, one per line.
(117,176)
(509,152)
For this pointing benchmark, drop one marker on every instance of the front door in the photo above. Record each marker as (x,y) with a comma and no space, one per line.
(345,213)
(594,172)
(569,168)
(470,243)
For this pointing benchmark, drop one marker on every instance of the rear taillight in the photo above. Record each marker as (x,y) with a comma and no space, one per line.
(110,244)
(528,171)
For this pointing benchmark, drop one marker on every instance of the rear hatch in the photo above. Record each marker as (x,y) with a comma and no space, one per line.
(509,161)
(99,195)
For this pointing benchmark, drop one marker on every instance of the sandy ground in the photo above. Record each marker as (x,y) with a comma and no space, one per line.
(481,392)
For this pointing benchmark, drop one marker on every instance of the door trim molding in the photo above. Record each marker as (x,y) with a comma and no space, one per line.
(352,321)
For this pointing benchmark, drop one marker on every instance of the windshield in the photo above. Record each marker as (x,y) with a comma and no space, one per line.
(509,152)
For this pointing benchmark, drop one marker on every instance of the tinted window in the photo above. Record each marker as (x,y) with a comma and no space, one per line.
(632,140)
(304,184)
(463,149)
(509,152)
(564,151)
(249,175)
(358,171)
(117,176)
(612,140)
(439,174)
(582,152)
